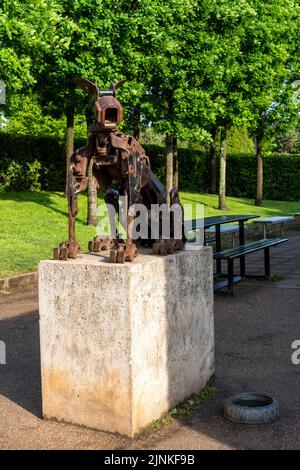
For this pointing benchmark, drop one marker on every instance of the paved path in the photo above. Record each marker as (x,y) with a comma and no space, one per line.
(254,333)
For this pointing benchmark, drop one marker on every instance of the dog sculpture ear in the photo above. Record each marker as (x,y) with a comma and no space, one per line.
(88,86)
(117,85)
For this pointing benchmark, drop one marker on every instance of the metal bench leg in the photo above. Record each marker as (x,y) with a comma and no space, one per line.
(230,275)
(267,263)
(242,242)
(218,248)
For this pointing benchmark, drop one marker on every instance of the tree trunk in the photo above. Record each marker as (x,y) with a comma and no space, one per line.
(169,166)
(213,161)
(222,185)
(176,163)
(92,218)
(259,181)
(170,140)
(69,142)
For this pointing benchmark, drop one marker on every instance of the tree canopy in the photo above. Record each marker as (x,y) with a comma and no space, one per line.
(194,68)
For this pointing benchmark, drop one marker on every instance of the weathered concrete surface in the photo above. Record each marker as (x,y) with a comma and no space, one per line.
(122,344)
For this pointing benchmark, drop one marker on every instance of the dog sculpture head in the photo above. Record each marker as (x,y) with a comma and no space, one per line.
(109,111)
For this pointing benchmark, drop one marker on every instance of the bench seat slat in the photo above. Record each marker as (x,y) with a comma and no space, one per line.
(249,248)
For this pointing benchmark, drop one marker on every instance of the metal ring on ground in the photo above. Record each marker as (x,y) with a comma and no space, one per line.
(251,408)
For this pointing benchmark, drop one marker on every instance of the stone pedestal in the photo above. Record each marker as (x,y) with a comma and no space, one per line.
(122,344)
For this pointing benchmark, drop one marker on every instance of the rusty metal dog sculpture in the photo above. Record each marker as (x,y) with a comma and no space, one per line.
(116,158)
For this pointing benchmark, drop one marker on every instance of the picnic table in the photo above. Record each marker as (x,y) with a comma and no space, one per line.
(217,221)
(238,252)
(224,229)
(274,220)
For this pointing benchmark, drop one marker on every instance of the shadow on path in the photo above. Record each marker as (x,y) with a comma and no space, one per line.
(20,377)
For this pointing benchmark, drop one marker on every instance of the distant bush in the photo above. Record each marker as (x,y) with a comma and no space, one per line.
(23,154)
(31,163)
(22,177)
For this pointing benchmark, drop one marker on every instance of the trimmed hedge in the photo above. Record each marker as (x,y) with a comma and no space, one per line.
(281,176)
(281,173)
(25,151)
(39,162)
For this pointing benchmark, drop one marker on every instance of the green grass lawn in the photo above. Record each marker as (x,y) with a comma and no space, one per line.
(32,224)
(241,205)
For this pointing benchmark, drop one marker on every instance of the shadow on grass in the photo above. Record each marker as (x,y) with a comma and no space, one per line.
(235,206)
(38,197)
(44,199)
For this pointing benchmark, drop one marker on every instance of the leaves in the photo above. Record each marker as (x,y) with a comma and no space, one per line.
(189,64)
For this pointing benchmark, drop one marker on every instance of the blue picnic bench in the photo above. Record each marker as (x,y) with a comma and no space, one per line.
(228,280)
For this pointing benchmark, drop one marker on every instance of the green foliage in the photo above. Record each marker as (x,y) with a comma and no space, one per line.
(270,64)
(189,65)
(183,409)
(192,67)
(238,141)
(27,30)
(276,277)
(288,142)
(281,176)
(26,117)
(19,154)
(22,177)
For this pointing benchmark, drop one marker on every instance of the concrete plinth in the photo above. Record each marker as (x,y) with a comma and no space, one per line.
(122,344)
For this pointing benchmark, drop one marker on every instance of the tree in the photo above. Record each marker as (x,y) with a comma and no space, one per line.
(247,68)
(15,62)
(270,62)
(103,44)
(26,31)
(225,27)
(213,159)
(162,43)
(215,85)
(32,35)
